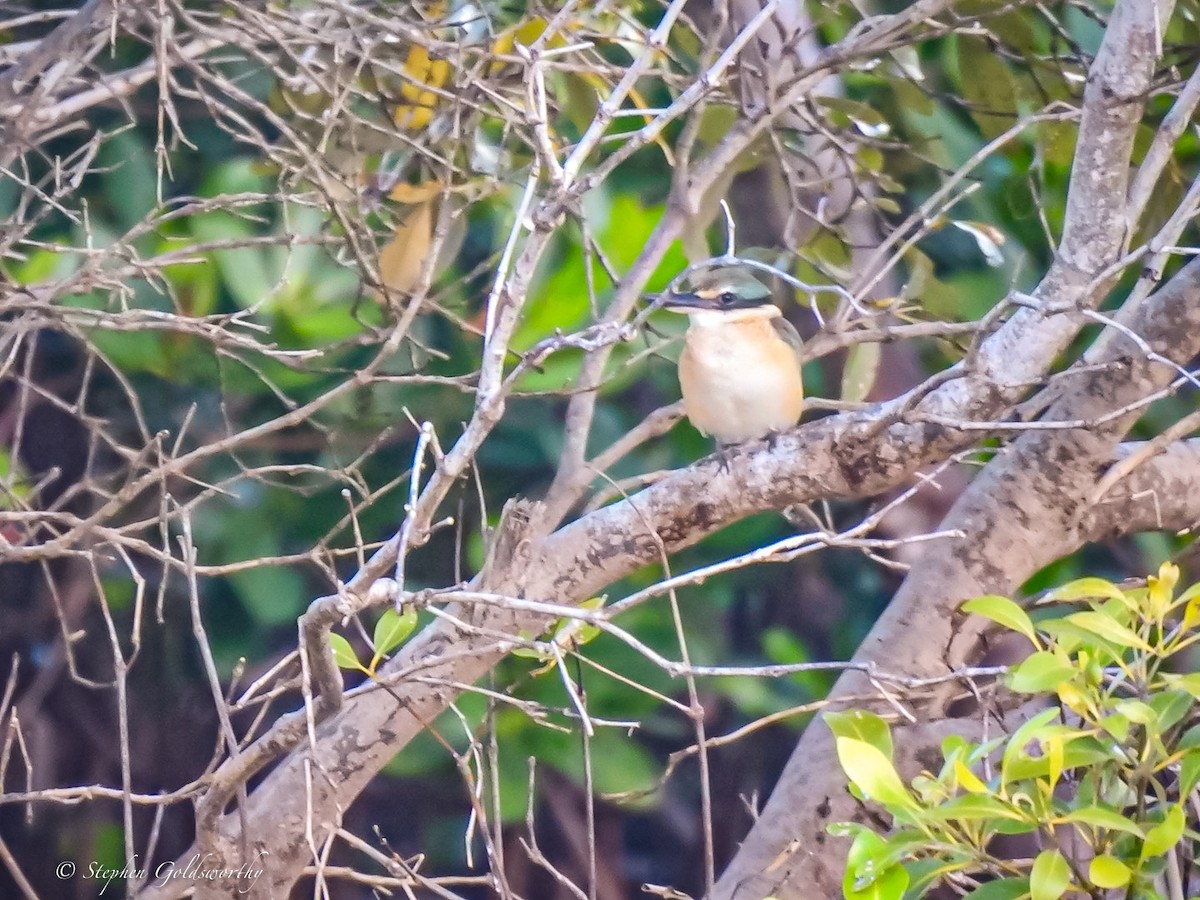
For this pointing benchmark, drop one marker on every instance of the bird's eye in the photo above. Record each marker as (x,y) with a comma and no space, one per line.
(728,298)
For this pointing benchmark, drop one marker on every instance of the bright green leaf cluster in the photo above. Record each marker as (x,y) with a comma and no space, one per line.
(1099,782)
(566,634)
(392,629)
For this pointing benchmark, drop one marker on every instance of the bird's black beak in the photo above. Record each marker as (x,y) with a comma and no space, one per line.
(685,300)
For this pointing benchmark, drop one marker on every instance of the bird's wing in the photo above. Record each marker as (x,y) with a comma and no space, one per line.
(787,331)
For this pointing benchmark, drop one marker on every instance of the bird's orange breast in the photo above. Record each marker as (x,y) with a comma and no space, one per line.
(740,380)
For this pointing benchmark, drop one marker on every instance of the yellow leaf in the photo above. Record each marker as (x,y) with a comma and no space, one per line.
(422,75)
(968,779)
(525,34)
(400,261)
(1191,613)
(439,72)
(413,118)
(528,32)
(404,192)
(421,69)
(1055,752)
(1161,589)
(1073,698)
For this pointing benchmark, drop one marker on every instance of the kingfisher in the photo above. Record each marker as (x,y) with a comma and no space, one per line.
(740,367)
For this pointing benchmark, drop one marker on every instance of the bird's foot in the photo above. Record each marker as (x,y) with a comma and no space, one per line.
(724,454)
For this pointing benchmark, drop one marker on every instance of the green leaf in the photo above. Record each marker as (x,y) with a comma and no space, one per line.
(126,168)
(38,265)
(1105,626)
(911,97)
(1054,758)
(1066,636)
(247,272)
(862,858)
(1108,872)
(1116,725)
(929,791)
(1085,589)
(343,653)
(867,120)
(561,299)
(873,773)
(1005,612)
(904,846)
(987,85)
(1101,817)
(193,284)
(1189,682)
(954,745)
(530,653)
(1003,889)
(887,205)
(619,765)
(891,885)
(571,634)
(862,725)
(1080,752)
(975,808)
(860,372)
(270,594)
(1189,739)
(1189,774)
(1015,749)
(715,122)
(865,878)
(1011,826)
(1136,711)
(1165,835)
(1056,140)
(392,628)
(1170,707)
(1050,876)
(845,829)
(1041,671)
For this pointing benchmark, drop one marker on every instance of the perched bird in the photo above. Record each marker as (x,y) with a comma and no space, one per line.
(740,366)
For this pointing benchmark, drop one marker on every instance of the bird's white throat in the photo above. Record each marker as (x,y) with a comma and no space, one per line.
(714,318)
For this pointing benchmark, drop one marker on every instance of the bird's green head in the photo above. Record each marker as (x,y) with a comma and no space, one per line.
(720,290)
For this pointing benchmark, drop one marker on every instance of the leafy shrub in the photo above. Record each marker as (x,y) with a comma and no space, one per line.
(1101,781)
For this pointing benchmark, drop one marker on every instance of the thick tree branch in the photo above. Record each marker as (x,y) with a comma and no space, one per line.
(1160,494)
